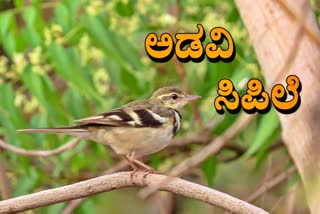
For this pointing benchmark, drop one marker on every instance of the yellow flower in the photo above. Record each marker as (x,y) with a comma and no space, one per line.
(192,10)
(35,56)
(3,64)
(83,47)
(56,30)
(47,36)
(47,67)
(31,105)
(20,62)
(145,60)
(10,75)
(38,69)
(19,99)
(186,125)
(94,8)
(97,55)
(253,68)
(101,79)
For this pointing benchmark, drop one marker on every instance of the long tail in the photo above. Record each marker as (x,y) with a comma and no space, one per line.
(70,130)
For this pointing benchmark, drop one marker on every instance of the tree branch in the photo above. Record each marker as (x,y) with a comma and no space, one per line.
(40,153)
(121,180)
(239,150)
(272,183)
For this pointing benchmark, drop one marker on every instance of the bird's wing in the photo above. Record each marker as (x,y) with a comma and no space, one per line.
(130,116)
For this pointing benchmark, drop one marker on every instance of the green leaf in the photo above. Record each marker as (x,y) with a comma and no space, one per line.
(127,51)
(10,44)
(11,118)
(113,70)
(73,100)
(114,45)
(125,9)
(130,81)
(268,125)
(156,161)
(62,16)
(29,16)
(8,127)
(100,34)
(39,120)
(209,169)
(73,7)
(42,88)
(5,18)
(19,3)
(68,69)
(53,209)
(36,2)
(26,183)
(32,37)
(88,207)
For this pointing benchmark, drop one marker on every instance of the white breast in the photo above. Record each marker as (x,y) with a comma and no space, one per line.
(143,141)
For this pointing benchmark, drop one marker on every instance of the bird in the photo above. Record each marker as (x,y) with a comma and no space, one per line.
(137,129)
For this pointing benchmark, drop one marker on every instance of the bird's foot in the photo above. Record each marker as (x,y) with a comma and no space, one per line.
(132,173)
(150,171)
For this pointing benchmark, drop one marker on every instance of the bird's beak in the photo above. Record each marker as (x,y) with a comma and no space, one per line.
(193,97)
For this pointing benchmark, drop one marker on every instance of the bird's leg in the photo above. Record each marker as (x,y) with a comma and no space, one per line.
(132,164)
(145,166)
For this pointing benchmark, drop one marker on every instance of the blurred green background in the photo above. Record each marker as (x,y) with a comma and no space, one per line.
(64,60)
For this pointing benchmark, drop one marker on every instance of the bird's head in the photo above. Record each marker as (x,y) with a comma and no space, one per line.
(172,97)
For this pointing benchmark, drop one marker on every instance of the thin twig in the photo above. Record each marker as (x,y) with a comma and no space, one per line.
(122,180)
(194,139)
(291,190)
(72,205)
(214,147)
(239,150)
(171,203)
(272,183)
(5,186)
(40,153)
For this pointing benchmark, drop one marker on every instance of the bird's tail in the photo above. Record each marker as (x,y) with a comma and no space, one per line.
(70,130)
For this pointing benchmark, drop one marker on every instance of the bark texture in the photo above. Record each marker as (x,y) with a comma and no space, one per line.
(121,180)
(285,37)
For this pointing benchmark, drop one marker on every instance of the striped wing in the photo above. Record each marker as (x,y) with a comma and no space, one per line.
(124,117)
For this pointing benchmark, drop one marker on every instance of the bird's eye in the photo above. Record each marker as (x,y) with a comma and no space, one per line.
(174,96)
